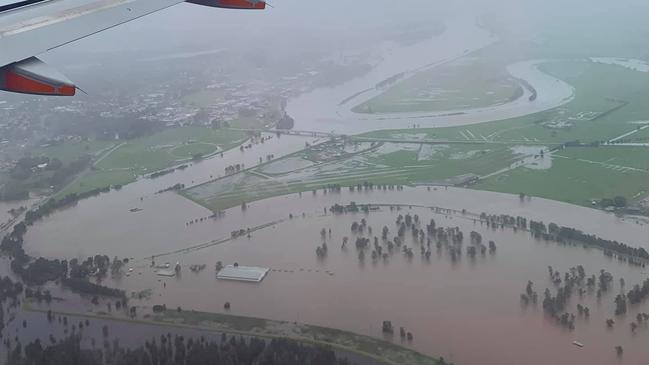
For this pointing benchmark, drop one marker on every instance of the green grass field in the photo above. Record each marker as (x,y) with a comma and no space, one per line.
(391,164)
(68,152)
(145,155)
(168,148)
(615,157)
(608,99)
(465,83)
(572,181)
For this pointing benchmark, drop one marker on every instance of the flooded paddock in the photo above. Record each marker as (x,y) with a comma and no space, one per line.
(453,308)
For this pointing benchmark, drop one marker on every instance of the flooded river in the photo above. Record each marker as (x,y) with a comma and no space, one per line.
(329,109)
(468,311)
(452,308)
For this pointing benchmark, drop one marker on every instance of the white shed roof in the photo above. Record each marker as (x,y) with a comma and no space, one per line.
(243,273)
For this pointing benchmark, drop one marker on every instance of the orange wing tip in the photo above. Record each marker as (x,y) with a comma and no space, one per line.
(18,83)
(33,76)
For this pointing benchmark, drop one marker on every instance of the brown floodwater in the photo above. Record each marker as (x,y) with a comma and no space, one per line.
(468,311)
(104,224)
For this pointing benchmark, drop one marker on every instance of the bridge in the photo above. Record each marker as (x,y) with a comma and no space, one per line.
(292,132)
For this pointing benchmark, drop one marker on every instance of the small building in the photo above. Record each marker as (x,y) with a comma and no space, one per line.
(242,273)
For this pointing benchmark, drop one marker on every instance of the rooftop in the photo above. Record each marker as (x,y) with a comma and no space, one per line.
(243,273)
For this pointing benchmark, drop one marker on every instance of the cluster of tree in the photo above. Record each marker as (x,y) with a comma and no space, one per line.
(332,188)
(321,251)
(9,289)
(175,187)
(86,287)
(177,349)
(350,208)
(366,185)
(555,305)
(40,270)
(618,202)
(641,319)
(620,305)
(92,266)
(449,238)
(232,169)
(27,166)
(405,335)
(583,310)
(286,122)
(574,280)
(562,234)
(502,220)
(36,272)
(240,232)
(530,295)
(638,293)
(359,227)
(161,173)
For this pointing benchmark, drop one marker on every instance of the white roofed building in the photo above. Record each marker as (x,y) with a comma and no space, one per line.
(242,273)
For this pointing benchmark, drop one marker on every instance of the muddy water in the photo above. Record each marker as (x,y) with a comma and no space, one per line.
(104,225)
(108,215)
(467,311)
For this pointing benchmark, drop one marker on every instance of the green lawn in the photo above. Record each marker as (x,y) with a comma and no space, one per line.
(68,152)
(145,155)
(390,164)
(169,147)
(611,156)
(571,180)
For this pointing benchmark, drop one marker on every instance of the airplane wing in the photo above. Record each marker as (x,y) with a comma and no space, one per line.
(31,27)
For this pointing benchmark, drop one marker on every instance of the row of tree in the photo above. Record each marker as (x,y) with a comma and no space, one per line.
(168,350)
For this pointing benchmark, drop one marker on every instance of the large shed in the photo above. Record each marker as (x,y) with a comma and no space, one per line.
(243,273)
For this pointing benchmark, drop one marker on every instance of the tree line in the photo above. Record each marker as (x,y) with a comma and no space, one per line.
(176,349)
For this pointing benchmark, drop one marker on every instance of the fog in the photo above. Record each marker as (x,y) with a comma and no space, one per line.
(188,26)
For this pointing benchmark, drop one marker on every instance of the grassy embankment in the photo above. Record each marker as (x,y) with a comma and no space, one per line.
(365,346)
